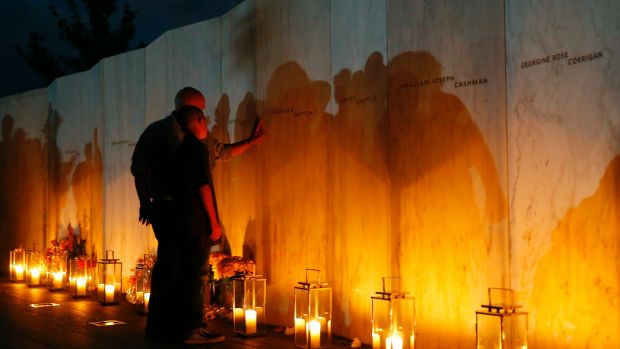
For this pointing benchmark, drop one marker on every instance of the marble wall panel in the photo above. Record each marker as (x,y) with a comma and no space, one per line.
(124,105)
(193,58)
(75,156)
(235,115)
(357,161)
(448,202)
(23,171)
(564,145)
(293,74)
(157,100)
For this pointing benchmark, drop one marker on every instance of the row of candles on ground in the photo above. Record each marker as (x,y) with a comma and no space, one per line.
(57,272)
(499,326)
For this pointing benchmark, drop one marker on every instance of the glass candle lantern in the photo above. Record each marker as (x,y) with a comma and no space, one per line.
(143,285)
(17,264)
(35,269)
(313,312)
(249,300)
(81,277)
(57,271)
(501,325)
(393,317)
(110,276)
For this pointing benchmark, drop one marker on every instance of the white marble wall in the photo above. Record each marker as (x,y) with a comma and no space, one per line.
(357,161)
(293,74)
(75,157)
(234,119)
(124,109)
(23,171)
(427,139)
(564,142)
(448,226)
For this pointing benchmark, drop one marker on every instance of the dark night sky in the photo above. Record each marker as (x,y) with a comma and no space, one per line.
(20,17)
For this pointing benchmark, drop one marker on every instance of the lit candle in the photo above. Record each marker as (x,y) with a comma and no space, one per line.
(19,272)
(147,297)
(412,341)
(300,327)
(394,342)
(376,341)
(71,282)
(109,293)
(315,334)
(35,276)
(80,284)
(250,321)
(57,278)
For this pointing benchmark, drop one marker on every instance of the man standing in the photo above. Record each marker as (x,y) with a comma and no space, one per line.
(152,167)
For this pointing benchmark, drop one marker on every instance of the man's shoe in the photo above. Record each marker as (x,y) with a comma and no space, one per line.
(203,337)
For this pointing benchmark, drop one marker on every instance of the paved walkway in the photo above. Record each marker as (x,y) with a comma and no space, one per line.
(67,326)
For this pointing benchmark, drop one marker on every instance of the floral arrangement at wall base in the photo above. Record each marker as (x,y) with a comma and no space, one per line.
(218,288)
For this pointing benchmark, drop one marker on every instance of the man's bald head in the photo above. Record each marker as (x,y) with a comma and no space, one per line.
(189,96)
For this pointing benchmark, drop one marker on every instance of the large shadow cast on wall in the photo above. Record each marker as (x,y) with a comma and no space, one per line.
(292,196)
(58,173)
(580,273)
(358,186)
(84,180)
(236,177)
(87,186)
(444,198)
(22,189)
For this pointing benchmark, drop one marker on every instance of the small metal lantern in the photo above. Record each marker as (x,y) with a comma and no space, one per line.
(82,275)
(35,268)
(501,326)
(109,284)
(17,263)
(249,300)
(143,285)
(393,317)
(57,271)
(313,312)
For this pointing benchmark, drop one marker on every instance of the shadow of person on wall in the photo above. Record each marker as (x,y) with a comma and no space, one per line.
(292,166)
(234,178)
(22,188)
(359,184)
(58,172)
(445,198)
(86,188)
(8,208)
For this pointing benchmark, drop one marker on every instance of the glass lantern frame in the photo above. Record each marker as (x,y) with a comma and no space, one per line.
(82,276)
(35,269)
(57,272)
(313,312)
(501,325)
(109,279)
(393,317)
(143,276)
(249,305)
(17,264)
